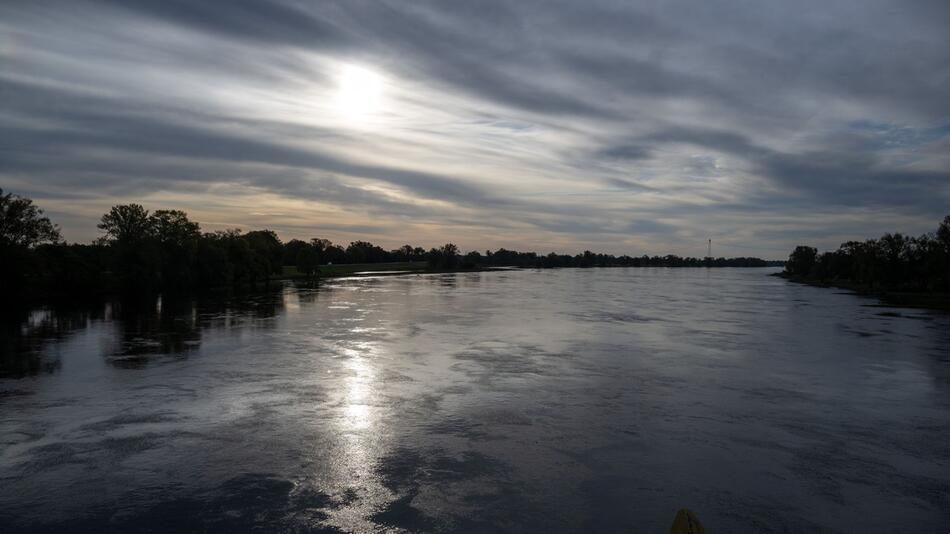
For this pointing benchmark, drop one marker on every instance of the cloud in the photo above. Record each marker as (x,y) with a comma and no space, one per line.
(640,126)
(89,123)
(625,152)
(649,226)
(832,175)
(267,22)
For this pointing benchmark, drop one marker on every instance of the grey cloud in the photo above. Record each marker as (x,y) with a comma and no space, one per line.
(649,226)
(510,52)
(834,177)
(628,185)
(884,136)
(827,105)
(94,122)
(724,141)
(624,152)
(830,176)
(271,21)
(681,49)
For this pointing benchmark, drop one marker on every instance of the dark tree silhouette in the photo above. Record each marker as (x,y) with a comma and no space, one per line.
(22,224)
(126,223)
(172,227)
(471,260)
(892,262)
(22,227)
(308,260)
(801,260)
(267,250)
(363,252)
(143,252)
(292,250)
(129,231)
(177,239)
(444,257)
(943,233)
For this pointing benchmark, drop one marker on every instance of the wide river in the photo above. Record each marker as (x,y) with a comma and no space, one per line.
(598,400)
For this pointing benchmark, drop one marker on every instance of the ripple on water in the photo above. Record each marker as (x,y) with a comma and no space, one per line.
(555,401)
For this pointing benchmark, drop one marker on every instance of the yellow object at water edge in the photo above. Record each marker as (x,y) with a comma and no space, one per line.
(686,523)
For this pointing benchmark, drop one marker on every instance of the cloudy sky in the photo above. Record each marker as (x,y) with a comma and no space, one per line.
(625,127)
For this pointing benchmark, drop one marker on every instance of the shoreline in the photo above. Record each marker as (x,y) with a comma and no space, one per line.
(345,270)
(886,298)
(390,269)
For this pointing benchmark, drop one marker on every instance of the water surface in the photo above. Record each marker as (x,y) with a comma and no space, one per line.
(598,400)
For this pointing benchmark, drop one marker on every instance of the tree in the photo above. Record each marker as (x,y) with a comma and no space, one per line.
(326,251)
(940,259)
(212,264)
(137,257)
(244,266)
(126,223)
(22,228)
(365,252)
(587,260)
(173,227)
(405,252)
(292,249)
(177,238)
(333,254)
(894,249)
(472,259)
(267,249)
(801,260)
(320,245)
(892,262)
(943,233)
(308,261)
(444,257)
(22,224)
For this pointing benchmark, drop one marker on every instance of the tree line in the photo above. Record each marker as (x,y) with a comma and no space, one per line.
(891,262)
(163,250)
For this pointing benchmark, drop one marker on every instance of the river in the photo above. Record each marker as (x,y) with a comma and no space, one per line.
(571,400)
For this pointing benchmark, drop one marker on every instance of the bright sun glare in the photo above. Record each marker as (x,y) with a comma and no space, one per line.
(359,92)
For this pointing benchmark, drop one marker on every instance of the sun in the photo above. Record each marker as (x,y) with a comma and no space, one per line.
(359,92)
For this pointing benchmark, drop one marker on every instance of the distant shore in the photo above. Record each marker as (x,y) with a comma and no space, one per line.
(403,268)
(372,269)
(290,273)
(145,253)
(890,298)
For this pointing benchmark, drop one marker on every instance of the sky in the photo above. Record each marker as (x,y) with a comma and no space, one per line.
(621,127)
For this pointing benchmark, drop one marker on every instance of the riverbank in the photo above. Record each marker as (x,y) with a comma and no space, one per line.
(900,299)
(378,269)
(401,268)
(107,285)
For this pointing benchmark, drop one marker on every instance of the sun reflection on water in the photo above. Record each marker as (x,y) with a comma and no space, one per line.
(358,412)
(359,439)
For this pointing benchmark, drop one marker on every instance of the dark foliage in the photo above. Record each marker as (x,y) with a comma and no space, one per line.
(163,251)
(444,257)
(144,252)
(503,257)
(22,224)
(894,262)
(22,228)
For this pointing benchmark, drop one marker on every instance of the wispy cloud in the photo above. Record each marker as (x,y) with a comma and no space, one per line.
(633,128)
